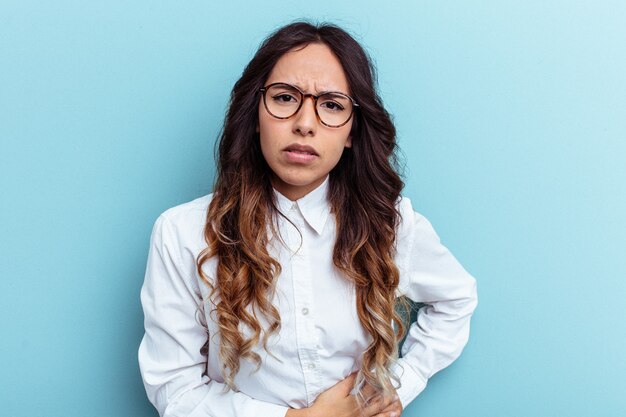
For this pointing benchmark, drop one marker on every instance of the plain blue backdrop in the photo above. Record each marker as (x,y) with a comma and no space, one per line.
(512,119)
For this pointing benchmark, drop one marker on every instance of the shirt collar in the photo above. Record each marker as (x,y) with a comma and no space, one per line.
(314,206)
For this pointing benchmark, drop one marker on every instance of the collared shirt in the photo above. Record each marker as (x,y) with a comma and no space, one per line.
(321,339)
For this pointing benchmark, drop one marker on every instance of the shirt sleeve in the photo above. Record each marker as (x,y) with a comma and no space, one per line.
(430,274)
(171,356)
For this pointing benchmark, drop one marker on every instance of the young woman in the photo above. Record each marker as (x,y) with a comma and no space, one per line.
(276,295)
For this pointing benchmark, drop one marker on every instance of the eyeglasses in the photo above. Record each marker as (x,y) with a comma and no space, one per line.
(333,109)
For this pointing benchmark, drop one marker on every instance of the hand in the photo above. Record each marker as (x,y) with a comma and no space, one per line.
(337,402)
(394,409)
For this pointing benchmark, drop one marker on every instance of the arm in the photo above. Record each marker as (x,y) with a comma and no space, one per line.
(170,358)
(432,276)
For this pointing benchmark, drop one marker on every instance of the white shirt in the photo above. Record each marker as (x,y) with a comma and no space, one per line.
(321,339)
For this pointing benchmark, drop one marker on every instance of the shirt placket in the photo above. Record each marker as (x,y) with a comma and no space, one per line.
(306,336)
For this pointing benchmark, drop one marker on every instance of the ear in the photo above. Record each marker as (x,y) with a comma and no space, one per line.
(349,142)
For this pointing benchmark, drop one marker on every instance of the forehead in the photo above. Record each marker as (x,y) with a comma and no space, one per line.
(314,68)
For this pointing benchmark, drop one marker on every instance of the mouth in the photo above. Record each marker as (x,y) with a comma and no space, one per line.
(300,154)
(301,149)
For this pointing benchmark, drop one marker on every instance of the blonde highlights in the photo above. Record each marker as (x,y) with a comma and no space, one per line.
(235,233)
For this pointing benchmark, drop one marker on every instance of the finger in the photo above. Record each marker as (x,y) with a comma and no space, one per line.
(390,414)
(368,392)
(394,410)
(377,405)
(394,406)
(395,403)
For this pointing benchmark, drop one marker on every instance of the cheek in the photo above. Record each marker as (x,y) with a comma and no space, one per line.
(346,133)
(265,146)
(264,130)
(343,140)
(268,134)
(265,135)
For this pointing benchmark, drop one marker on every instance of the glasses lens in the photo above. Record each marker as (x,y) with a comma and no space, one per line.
(334,108)
(282,100)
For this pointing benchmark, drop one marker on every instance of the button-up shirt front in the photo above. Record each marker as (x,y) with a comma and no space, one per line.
(321,339)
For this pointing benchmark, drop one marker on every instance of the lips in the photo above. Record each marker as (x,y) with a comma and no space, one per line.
(301,149)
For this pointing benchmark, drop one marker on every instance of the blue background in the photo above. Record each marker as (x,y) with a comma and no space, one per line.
(512,119)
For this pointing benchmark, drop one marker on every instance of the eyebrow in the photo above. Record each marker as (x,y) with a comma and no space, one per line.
(333,94)
(317,93)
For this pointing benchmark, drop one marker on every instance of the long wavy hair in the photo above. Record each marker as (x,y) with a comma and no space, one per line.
(364,188)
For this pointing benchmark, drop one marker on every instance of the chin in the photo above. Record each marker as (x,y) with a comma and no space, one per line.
(296,181)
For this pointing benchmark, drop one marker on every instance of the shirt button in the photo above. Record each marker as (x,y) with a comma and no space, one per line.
(305,311)
(311,366)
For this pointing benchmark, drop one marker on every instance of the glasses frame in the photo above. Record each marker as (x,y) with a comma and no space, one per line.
(304,95)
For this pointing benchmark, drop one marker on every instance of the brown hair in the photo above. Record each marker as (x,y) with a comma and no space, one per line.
(363,191)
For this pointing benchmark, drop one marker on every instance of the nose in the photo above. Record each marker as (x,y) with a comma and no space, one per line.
(305,121)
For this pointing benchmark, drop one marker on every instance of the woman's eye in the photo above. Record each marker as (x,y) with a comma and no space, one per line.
(332,105)
(285,98)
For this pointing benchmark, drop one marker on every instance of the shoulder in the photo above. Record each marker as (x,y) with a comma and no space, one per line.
(409,217)
(188,215)
(403,205)
(181,228)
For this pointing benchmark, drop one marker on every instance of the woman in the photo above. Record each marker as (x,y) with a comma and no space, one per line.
(275,295)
